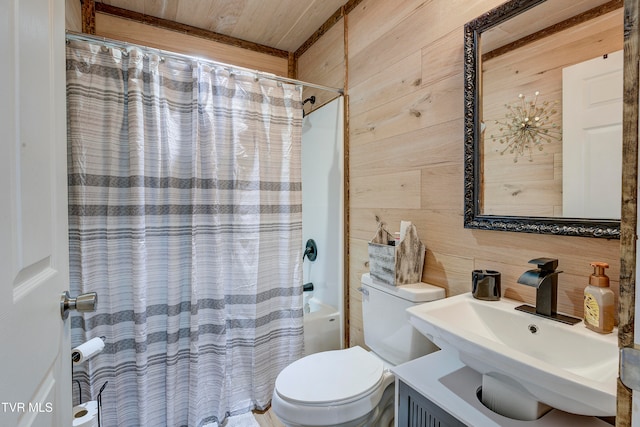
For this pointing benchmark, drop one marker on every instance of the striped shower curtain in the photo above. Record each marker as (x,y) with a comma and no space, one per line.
(185,217)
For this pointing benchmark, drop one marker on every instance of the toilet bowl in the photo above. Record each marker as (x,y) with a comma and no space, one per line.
(353,387)
(338,387)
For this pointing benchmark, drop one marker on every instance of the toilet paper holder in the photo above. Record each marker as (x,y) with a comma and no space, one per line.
(83,303)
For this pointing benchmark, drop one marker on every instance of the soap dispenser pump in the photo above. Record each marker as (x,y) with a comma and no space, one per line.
(599,301)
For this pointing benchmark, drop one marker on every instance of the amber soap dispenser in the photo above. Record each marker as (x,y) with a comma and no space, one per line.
(599,301)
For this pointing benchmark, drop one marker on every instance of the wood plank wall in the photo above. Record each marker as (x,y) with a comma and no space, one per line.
(73,16)
(627,334)
(405,66)
(323,63)
(131,31)
(146,35)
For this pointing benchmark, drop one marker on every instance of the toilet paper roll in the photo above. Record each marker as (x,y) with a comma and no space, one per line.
(86,414)
(87,350)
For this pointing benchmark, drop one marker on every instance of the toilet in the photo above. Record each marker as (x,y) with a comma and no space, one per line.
(354,387)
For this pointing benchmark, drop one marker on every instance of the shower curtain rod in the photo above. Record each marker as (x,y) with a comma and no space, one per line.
(71,35)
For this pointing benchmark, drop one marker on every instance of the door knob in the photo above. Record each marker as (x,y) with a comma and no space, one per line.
(83,303)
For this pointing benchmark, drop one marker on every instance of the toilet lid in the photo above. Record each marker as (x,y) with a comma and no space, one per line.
(330,376)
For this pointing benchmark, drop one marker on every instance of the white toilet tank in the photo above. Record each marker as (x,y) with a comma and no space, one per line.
(387,330)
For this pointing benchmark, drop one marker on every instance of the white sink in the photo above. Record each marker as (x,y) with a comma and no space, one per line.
(567,367)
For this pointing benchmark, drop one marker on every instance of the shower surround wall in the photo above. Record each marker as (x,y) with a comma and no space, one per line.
(323,201)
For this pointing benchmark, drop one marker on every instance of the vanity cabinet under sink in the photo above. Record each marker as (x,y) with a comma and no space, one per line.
(439,390)
(415,410)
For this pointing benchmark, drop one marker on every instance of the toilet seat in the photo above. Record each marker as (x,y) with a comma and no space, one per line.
(312,388)
(330,376)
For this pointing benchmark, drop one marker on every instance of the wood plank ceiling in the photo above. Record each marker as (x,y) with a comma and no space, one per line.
(281,24)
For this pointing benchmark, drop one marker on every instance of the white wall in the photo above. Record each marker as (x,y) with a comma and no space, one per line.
(322,200)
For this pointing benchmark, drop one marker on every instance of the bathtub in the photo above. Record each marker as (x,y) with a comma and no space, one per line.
(321,327)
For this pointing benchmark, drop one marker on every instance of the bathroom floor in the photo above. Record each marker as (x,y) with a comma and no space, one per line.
(268,419)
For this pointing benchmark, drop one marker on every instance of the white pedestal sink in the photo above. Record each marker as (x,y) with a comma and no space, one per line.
(565,366)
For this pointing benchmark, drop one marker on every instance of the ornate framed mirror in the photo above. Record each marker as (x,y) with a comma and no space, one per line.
(542,120)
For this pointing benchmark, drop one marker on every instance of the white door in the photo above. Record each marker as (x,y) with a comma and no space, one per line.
(592,138)
(35,361)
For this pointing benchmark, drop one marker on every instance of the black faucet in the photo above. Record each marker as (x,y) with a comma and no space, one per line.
(545,280)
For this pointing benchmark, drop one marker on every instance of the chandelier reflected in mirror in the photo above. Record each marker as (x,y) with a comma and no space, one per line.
(527,126)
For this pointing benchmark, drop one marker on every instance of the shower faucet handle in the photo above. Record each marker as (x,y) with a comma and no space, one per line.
(310,251)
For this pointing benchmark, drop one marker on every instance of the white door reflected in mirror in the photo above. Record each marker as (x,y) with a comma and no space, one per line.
(592,138)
